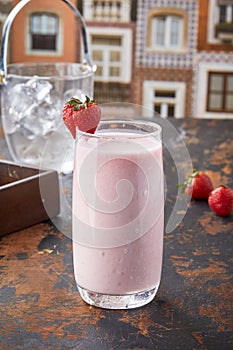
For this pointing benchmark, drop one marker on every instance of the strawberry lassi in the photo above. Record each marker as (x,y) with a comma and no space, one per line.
(118,206)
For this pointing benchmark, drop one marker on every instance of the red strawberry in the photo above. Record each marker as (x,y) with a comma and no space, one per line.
(221,200)
(198,185)
(83,115)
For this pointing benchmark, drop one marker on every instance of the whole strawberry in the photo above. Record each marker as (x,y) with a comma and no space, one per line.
(221,200)
(198,185)
(82,115)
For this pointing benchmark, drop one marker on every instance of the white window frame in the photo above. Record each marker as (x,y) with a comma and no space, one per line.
(167,32)
(125,51)
(149,98)
(49,53)
(202,90)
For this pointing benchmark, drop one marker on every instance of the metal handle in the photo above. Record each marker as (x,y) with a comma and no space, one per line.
(7,27)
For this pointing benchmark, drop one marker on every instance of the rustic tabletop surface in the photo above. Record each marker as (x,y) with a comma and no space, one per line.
(41,308)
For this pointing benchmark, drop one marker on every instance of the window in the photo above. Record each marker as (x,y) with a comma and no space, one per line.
(164,97)
(225,11)
(166,31)
(108,60)
(220,92)
(224,27)
(220,27)
(111,53)
(222,14)
(205,86)
(44,29)
(164,102)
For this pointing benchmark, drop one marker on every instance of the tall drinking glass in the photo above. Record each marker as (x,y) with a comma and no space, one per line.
(118,213)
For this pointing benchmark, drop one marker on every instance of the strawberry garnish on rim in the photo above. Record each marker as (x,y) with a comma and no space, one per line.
(84,115)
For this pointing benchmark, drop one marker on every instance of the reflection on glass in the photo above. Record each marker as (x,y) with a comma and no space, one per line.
(215,101)
(115,56)
(174,31)
(114,71)
(230,83)
(229,102)
(99,71)
(216,82)
(97,55)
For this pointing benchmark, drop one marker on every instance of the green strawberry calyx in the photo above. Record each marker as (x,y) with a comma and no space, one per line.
(77,104)
(188,182)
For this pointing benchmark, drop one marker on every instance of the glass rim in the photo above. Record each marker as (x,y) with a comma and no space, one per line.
(149,125)
(87,70)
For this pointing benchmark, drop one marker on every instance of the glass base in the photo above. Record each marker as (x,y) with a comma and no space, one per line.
(129,301)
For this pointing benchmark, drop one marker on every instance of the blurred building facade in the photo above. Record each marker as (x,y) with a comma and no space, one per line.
(5,7)
(213,69)
(111,34)
(44,30)
(174,57)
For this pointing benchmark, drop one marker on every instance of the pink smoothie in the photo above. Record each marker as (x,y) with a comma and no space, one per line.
(118,207)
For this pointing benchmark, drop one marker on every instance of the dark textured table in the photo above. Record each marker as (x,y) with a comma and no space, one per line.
(41,308)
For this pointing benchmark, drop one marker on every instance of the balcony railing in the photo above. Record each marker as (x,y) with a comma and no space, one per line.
(224,31)
(108,10)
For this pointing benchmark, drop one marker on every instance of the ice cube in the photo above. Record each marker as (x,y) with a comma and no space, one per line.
(34,108)
(74,93)
(19,98)
(49,116)
(39,89)
(30,125)
(16,99)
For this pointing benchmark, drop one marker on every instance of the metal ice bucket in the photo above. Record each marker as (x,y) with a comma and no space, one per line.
(32,97)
